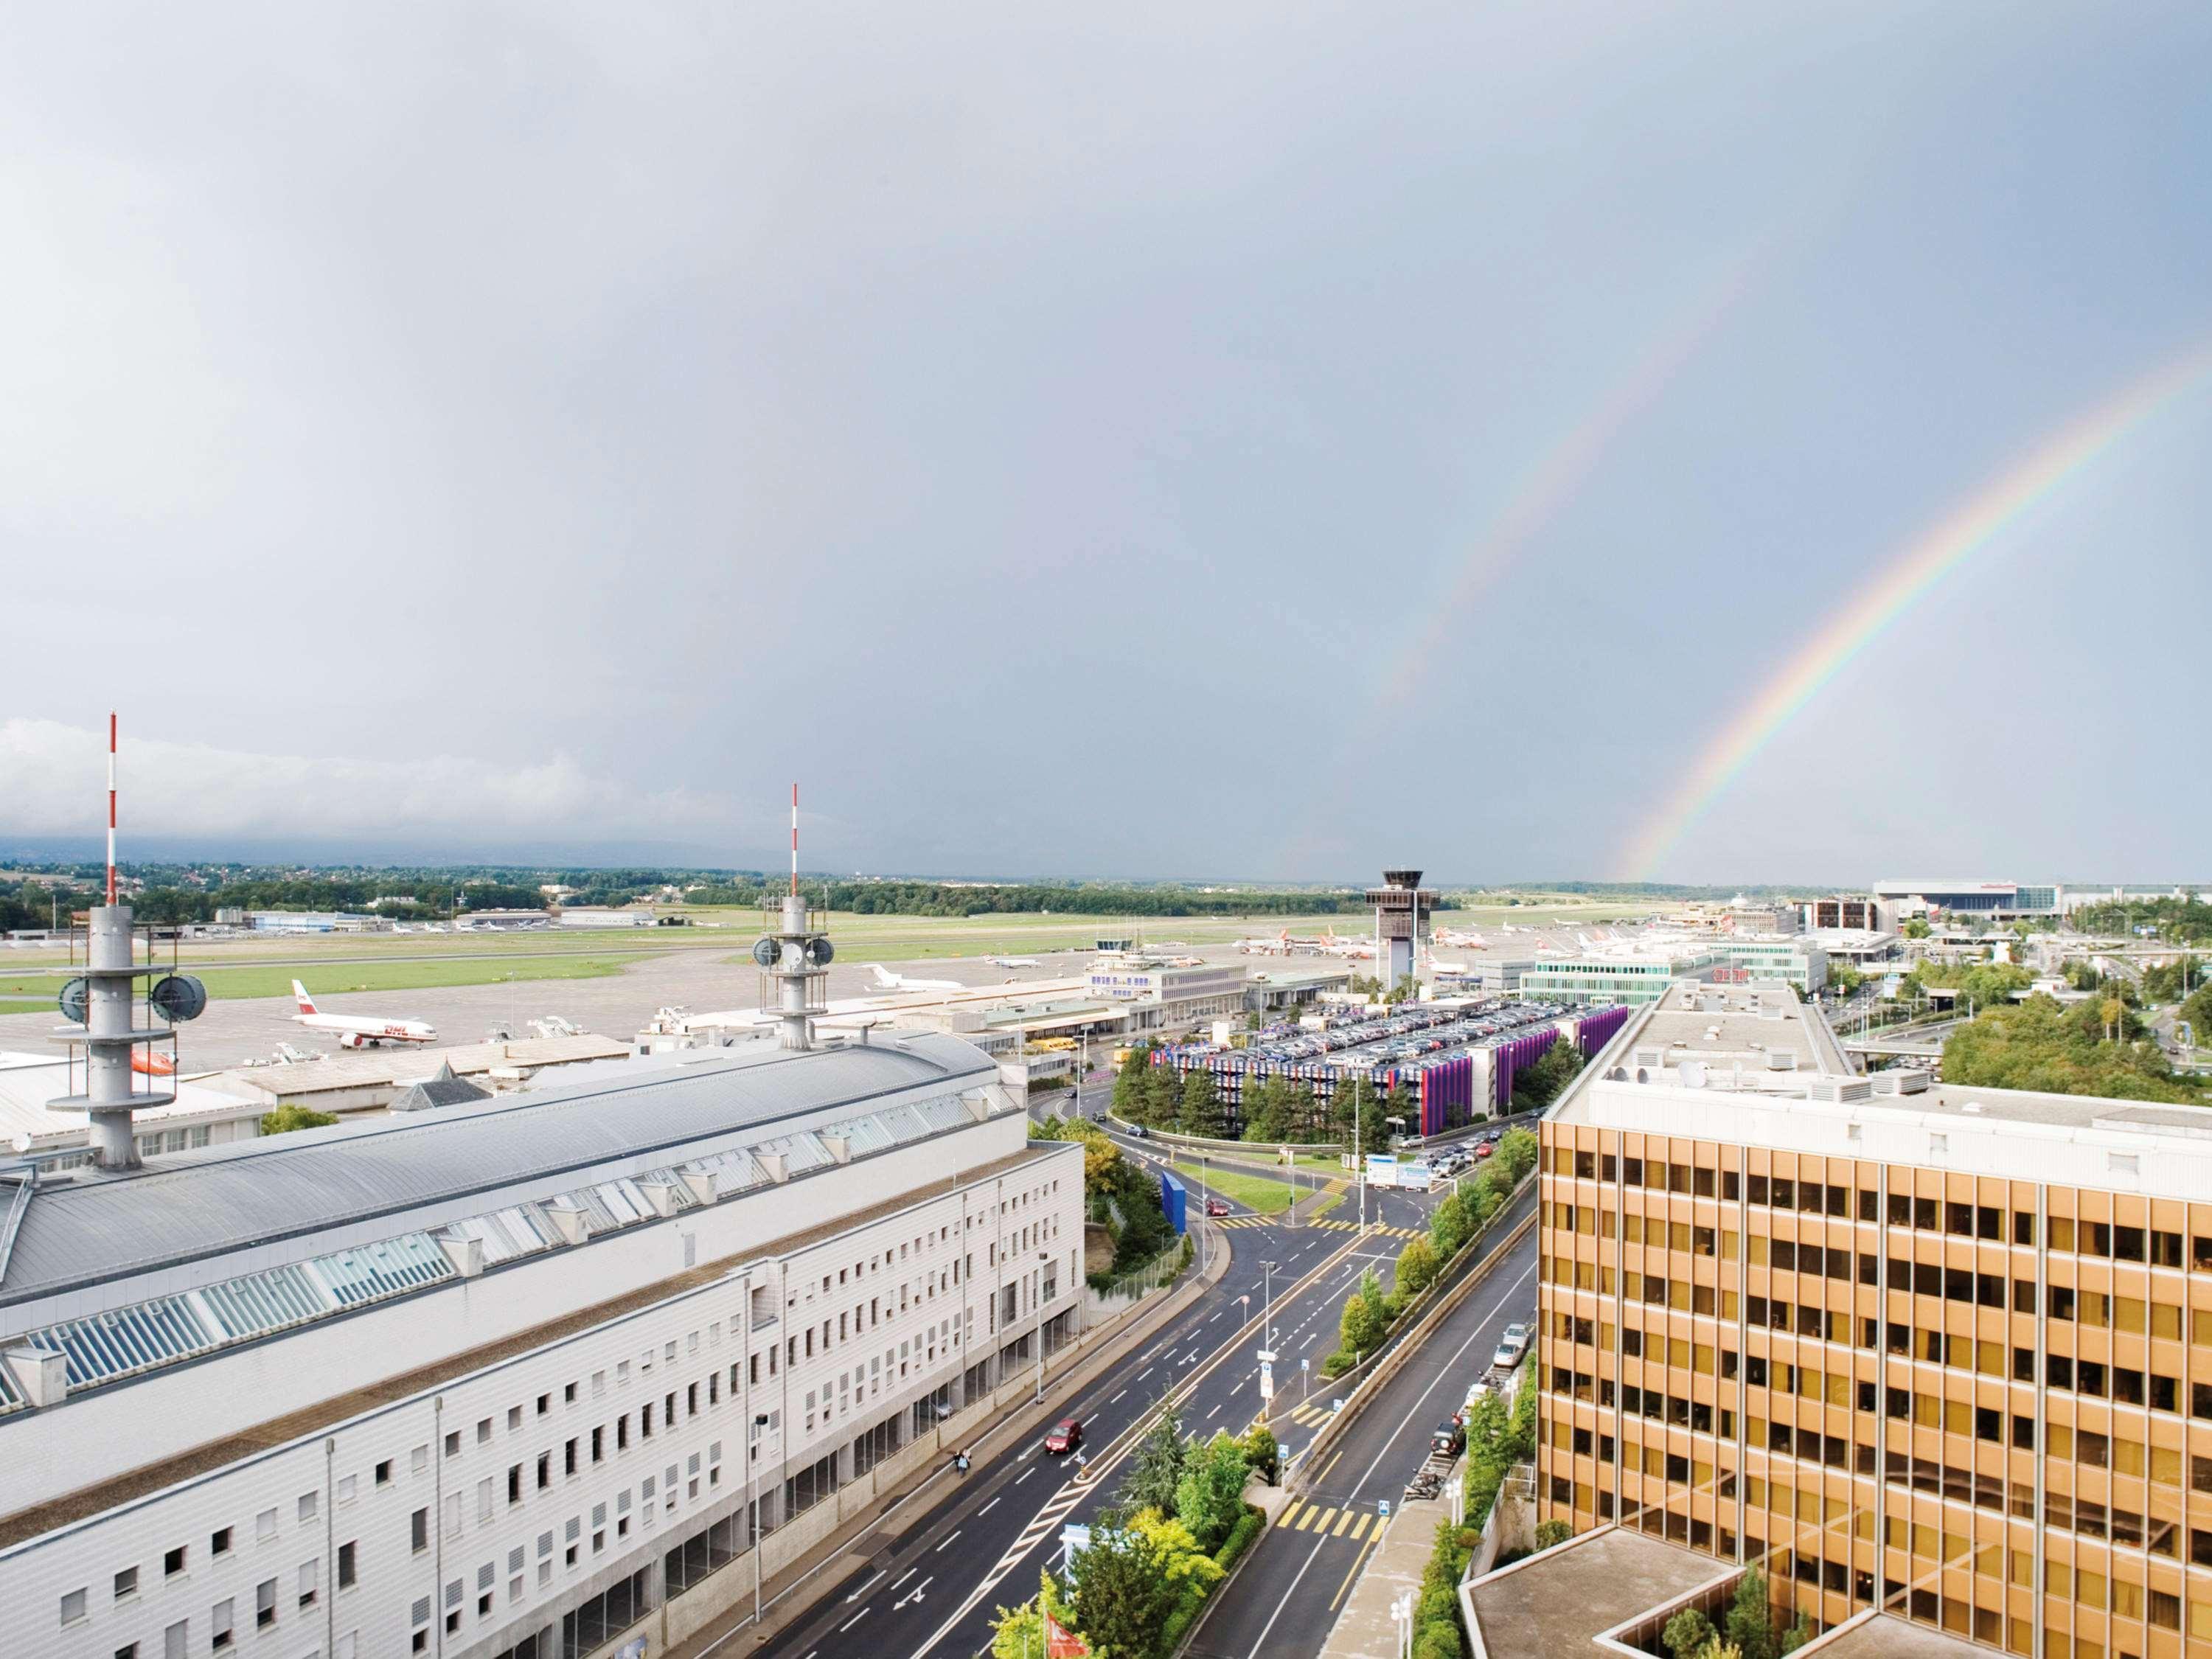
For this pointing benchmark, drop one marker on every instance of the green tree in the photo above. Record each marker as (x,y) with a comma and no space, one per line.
(1371,1292)
(1130,1082)
(1209,1495)
(1915,927)
(1123,1595)
(1448,1227)
(285,1118)
(1750,1623)
(1181,1557)
(1360,1327)
(1688,1634)
(1416,1269)
(1542,1083)
(1554,1532)
(1201,1113)
(1156,1469)
(1263,1455)
(1801,1632)
(1161,1096)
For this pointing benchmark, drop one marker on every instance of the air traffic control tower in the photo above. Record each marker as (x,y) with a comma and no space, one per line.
(1401,923)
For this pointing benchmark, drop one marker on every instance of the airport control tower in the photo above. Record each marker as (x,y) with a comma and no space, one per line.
(1401,923)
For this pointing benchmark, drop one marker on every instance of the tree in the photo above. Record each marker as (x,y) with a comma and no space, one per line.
(1543,1081)
(1209,1495)
(1156,1469)
(1263,1455)
(1801,1632)
(1159,1097)
(1201,1113)
(285,1118)
(1554,1532)
(1750,1624)
(1371,1292)
(1688,1634)
(1129,1081)
(1123,1595)
(1416,1269)
(1448,1227)
(1361,1329)
(1915,927)
(1181,1557)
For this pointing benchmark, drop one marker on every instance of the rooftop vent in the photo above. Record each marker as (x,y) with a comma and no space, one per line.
(1838,1091)
(1777,1061)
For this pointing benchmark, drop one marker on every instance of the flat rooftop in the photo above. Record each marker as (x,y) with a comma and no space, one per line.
(1695,1063)
(1885,1635)
(1554,1604)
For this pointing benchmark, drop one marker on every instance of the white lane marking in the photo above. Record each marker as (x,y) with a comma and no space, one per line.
(863,1613)
(1390,1444)
(1025,1474)
(1117,1396)
(903,1576)
(956,1533)
(914,1594)
(865,1585)
(1215,1413)
(987,1508)
(1144,1373)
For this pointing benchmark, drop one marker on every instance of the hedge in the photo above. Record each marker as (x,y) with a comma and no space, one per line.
(1194,1597)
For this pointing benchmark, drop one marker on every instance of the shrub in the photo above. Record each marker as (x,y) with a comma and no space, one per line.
(1262,1452)
(285,1118)
(1552,1533)
(1337,1362)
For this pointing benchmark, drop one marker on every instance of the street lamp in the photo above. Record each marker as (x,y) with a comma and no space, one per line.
(1267,1316)
(1401,1621)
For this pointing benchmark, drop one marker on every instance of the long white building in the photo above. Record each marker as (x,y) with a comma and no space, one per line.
(521,1377)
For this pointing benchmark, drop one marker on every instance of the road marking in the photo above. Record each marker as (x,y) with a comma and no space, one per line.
(1144,1373)
(1117,1397)
(1346,1520)
(1022,1476)
(1358,1563)
(863,1589)
(1289,1510)
(956,1533)
(853,1621)
(1241,1381)
(1215,1413)
(903,1576)
(1389,1443)
(914,1594)
(987,1508)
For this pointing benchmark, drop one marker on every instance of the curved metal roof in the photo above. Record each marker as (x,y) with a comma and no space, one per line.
(85,1227)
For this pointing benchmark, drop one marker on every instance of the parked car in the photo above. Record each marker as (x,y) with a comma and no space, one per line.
(1447,1438)
(1510,1347)
(1066,1435)
(1215,1206)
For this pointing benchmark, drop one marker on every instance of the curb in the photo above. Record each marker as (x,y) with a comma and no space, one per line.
(879,1532)
(1355,1402)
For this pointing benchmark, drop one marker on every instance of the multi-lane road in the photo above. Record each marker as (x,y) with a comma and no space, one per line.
(983,1537)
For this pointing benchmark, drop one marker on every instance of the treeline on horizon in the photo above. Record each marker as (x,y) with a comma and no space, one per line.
(193,893)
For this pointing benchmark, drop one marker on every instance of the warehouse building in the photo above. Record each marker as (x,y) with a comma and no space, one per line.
(524,1377)
(1937,1359)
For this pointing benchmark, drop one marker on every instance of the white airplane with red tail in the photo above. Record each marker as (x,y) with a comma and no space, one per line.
(355,1033)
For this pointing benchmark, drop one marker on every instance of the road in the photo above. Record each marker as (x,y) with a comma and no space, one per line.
(1291,1590)
(984,1537)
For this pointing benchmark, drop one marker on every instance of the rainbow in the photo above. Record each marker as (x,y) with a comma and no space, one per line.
(1925,562)
(1562,470)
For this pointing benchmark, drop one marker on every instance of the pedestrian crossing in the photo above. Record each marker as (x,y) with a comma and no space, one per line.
(1312,1414)
(1377,1228)
(1328,1520)
(1246,1221)
(1047,1523)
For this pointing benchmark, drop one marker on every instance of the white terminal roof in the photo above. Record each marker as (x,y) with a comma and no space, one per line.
(1752,1065)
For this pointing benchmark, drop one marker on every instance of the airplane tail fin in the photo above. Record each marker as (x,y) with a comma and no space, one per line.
(300,995)
(883,981)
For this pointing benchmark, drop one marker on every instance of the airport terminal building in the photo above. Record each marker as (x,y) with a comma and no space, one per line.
(498,1380)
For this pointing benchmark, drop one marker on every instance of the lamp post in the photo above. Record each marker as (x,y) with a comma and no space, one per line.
(1267,1316)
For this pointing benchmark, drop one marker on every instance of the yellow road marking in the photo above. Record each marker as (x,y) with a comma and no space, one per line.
(1345,1521)
(1358,1559)
(1359,1527)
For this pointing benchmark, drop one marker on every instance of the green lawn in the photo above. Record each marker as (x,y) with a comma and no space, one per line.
(276,980)
(1254,1191)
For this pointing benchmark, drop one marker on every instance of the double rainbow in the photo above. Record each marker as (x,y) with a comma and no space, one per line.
(1925,562)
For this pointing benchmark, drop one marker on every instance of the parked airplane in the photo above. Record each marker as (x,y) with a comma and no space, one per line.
(887,981)
(355,1033)
(1261,945)
(1012,962)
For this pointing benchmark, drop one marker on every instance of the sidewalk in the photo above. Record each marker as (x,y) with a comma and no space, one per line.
(1364,1630)
(791,1590)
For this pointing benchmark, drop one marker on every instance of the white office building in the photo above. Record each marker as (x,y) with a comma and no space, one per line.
(521,1378)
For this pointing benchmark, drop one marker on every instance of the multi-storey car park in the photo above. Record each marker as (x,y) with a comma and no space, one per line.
(1460,1059)
(1938,1357)
(505,1381)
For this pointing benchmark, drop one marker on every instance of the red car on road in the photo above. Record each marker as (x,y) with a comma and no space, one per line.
(1066,1435)
(1215,1206)
(1484,1150)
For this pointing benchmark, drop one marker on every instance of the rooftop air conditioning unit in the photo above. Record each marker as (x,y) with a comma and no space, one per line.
(1778,1060)
(1650,1056)
(1838,1091)
(1910,1080)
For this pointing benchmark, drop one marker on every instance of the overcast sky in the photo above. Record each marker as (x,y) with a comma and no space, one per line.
(1259,440)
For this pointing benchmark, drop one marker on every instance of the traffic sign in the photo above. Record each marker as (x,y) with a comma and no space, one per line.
(1266,1382)
(1266,1356)
(1305,1365)
(1383,1508)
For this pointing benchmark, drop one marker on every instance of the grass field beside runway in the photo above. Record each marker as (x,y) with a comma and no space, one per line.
(21,993)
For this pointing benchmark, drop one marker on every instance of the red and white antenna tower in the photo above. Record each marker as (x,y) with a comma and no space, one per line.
(111,806)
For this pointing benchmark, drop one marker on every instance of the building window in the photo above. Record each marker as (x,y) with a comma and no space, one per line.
(219,1543)
(73,1606)
(346,1576)
(221,1626)
(126,1582)
(418,1530)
